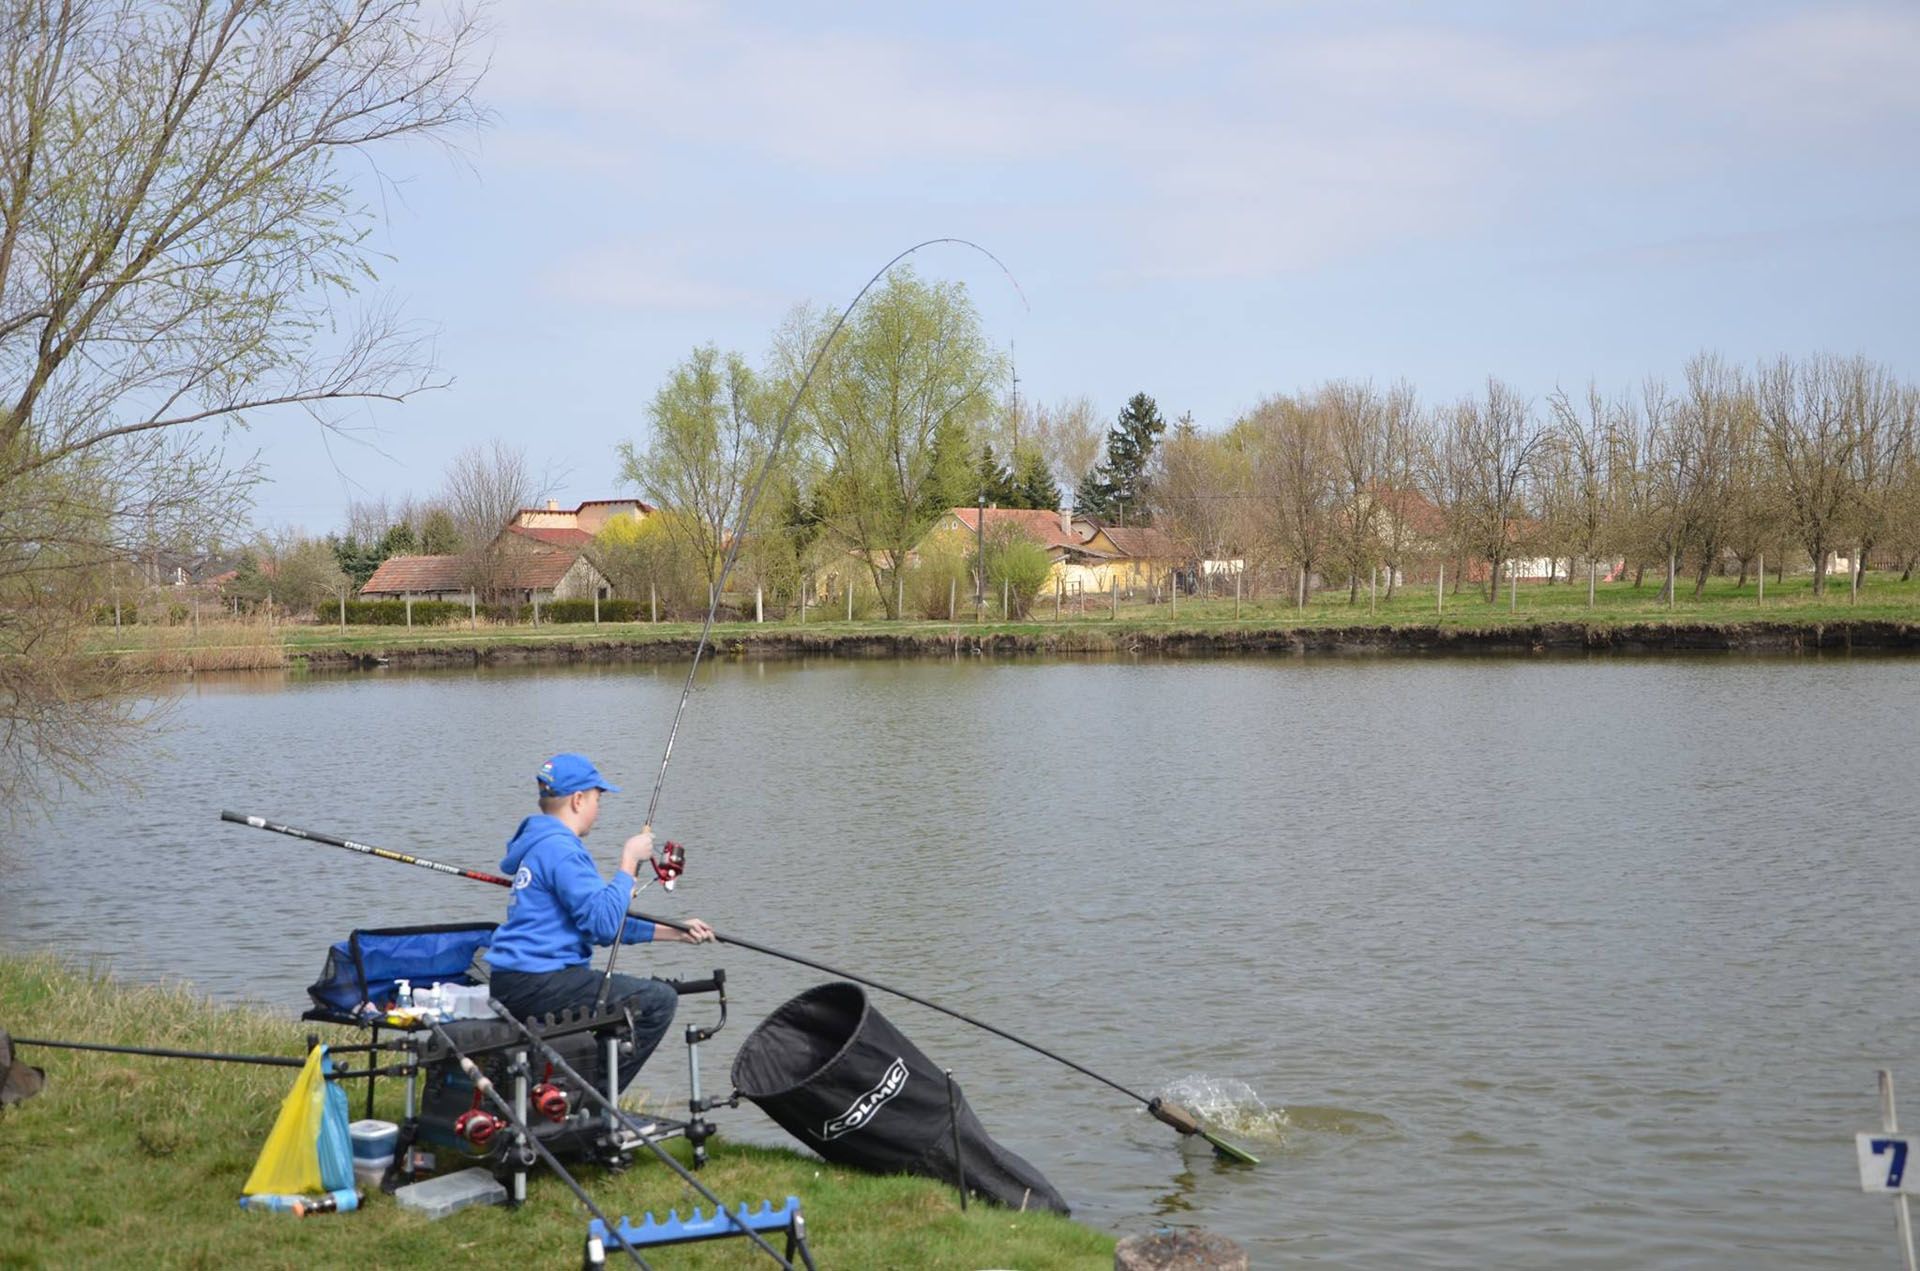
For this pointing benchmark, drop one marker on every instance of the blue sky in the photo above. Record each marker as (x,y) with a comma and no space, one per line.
(1206,202)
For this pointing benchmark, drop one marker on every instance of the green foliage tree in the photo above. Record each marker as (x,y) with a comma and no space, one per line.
(1017,562)
(1033,483)
(994,481)
(711,430)
(894,410)
(1119,488)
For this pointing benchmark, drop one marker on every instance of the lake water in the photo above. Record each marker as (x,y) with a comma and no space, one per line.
(1584,963)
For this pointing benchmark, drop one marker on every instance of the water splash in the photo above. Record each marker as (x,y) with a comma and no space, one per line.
(1229,1106)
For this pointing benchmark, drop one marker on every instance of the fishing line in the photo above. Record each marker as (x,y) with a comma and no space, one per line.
(745,517)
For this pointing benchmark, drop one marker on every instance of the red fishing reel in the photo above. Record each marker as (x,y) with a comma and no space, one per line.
(476,1125)
(550,1101)
(669,863)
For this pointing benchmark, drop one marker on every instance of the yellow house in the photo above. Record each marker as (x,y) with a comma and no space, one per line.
(1133,557)
(1086,557)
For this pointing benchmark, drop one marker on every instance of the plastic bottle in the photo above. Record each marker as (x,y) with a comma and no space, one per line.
(402,994)
(343,1201)
(271,1204)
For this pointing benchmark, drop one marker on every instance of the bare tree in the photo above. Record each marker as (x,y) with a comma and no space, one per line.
(1498,439)
(485,487)
(1579,453)
(1293,481)
(1804,417)
(1070,436)
(1355,439)
(1401,452)
(176,238)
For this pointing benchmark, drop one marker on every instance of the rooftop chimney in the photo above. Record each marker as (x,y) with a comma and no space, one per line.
(553,505)
(1066,524)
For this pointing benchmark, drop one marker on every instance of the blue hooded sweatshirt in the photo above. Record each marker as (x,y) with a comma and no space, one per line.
(559,908)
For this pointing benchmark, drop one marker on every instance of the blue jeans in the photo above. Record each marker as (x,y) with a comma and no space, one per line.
(649,1003)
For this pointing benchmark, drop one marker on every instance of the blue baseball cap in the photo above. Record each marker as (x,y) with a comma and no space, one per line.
(570,774)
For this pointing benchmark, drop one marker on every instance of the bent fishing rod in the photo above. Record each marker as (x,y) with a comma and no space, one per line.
(1173,1114)
(746,518)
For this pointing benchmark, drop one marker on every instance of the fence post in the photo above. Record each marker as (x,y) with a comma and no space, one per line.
(806,585)
(343,613)
(473,608)
(899,593)
(1440,592)
(1173,594)
(196,615)
(653,602)
(1058,583)
(1513,586)
(409,611)
(534,595)
(1236,595)
(759,603)
(1113,593)
(849,597)
(1761,599)
(1006,599)
(1671,564)
(953,597)
(1593,580)
(596,606)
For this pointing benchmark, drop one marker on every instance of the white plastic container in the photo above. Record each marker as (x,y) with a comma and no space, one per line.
(450,1193)
(465,1001)
(368,1171)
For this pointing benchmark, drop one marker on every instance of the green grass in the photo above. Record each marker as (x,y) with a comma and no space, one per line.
(1616,604)
(128,1161)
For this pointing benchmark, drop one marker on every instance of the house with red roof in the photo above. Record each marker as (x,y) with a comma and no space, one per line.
(545,557)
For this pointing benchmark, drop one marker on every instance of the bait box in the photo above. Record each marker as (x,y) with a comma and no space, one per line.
(449,1193)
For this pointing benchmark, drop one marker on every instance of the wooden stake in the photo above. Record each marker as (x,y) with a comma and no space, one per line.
(1440,592)
(1761,599)
(1006,599)
(653,602)
(1593,580)
(596,606)
(343,613)
(759,603)
(953,598)
(410,611)
(849,598)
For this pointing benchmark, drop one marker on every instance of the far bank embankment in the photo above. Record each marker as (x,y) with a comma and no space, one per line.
(1521,639)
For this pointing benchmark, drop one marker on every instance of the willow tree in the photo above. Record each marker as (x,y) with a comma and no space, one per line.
(178,232)
(711,429)
(894,412)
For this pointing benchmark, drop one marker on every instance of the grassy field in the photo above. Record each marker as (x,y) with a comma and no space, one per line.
(1722,604)
(128,1161)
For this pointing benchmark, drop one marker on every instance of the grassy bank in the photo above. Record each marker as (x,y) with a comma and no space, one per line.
(134,1161)
(1198,624)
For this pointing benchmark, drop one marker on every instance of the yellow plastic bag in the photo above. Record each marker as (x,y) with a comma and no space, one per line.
(289,1164)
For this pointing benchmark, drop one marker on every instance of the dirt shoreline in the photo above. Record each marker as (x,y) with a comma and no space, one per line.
(1523,639)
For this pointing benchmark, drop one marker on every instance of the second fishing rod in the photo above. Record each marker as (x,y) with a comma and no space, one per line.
(1172,1114)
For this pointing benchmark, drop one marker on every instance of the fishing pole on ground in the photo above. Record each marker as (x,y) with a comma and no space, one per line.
(745,518)
(484,1084)
(1172,1114)
(559,1062)
(211,1056)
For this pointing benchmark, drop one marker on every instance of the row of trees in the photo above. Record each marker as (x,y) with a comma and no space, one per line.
(1806,457)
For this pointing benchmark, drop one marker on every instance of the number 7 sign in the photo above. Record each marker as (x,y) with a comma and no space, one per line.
(1884,1161)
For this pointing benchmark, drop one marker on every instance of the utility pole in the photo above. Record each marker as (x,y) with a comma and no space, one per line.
(1013,362)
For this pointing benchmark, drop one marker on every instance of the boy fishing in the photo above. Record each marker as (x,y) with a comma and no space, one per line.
(542,955)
